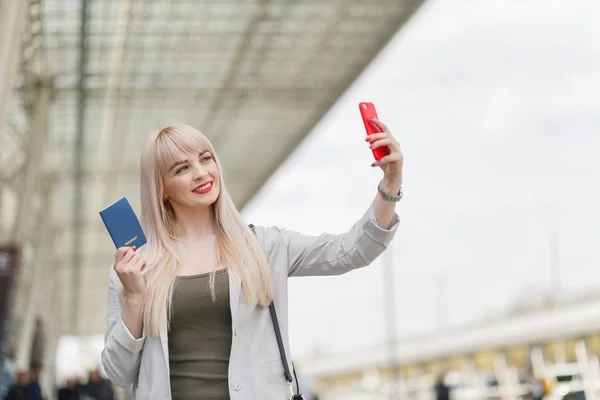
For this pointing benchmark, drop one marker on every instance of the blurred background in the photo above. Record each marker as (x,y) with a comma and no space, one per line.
(489,290)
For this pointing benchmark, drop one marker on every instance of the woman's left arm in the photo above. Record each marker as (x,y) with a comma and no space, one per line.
(329,254)
(391,165)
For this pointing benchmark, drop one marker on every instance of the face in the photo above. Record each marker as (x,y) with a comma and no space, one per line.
(23,378)
(94,376)
(192,182)
(35,373)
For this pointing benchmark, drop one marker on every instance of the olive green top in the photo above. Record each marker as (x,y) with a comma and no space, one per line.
(200,338)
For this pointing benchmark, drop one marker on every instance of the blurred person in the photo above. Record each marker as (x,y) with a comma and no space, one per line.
(442,391)
(33,390)
(70,391)
(8,371)
(78,384)
(97,387)
(38,343)
(536,386)
(17,391)
(188,313)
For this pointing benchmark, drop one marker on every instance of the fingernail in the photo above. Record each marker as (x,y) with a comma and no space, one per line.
(372,165)
(133,248)
(371,146)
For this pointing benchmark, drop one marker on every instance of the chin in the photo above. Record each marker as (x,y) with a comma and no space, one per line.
(209,200)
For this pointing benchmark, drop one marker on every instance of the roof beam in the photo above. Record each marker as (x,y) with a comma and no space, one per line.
(335,92)
(236,64)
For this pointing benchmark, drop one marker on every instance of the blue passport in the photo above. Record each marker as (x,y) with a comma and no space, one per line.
(123,225)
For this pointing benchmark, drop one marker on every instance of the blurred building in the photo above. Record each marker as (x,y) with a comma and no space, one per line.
(493,359)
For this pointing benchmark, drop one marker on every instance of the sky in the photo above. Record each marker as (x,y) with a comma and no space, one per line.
(496,105)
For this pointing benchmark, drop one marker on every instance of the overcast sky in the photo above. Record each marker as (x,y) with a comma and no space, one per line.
(497,108)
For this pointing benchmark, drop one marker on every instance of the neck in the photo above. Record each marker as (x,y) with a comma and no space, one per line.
(195,224)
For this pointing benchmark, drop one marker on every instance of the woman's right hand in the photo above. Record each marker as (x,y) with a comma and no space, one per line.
(129,266)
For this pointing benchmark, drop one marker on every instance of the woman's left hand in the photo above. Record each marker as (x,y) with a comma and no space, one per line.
(392,163)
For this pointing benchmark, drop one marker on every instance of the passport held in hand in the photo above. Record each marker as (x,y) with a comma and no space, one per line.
(123,225)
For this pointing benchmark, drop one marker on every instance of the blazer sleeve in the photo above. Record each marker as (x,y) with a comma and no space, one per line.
(122,352)
(329,254)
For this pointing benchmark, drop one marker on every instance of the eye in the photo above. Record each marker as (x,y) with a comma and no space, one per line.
(206,158)
(181,169)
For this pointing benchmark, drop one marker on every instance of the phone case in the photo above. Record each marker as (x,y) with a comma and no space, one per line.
(368,112)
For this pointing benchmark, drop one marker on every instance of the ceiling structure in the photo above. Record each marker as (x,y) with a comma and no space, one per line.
(97,77)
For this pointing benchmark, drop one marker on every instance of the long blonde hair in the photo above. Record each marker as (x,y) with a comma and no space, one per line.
(237,246)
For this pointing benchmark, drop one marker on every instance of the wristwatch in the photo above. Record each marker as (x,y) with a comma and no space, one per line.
(386,196)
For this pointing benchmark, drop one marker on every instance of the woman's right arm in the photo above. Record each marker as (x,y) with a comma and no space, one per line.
(124,338)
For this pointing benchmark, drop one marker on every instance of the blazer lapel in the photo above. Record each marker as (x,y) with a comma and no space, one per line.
(235,288)
(163,332)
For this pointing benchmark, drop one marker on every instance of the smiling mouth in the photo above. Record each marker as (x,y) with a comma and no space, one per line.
(204,188)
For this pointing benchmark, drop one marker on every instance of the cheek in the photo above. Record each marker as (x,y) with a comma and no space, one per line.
(215,172)
(167,188)
(171,187)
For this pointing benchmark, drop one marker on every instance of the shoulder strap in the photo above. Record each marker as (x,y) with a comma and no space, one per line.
(286,370)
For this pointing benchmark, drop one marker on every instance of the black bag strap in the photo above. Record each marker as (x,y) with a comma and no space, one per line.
(286,370)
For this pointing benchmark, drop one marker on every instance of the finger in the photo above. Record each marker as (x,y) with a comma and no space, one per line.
(133,261)
(138,266)
(129,255)
(121,251)
(392,157)
(122,265)
(128,269)
(377,123)
(376,136)
(389,142)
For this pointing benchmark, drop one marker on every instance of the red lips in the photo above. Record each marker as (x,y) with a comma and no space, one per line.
(205,190)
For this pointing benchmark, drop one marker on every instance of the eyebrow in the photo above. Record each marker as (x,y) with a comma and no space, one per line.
(176,163)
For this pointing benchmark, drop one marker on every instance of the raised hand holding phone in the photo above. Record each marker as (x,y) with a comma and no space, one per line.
(385,147)
(368,114)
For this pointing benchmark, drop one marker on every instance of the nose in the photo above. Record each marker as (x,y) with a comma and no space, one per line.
(199,172)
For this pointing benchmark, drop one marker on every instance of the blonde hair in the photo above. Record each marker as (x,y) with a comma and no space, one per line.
(237,246)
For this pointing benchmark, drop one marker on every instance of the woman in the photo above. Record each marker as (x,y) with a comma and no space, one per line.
(188,313)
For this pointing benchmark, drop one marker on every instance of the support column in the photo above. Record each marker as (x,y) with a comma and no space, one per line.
(587,373)
(39,290)
(13,15)
(538,364)
(469,373)
(595,373)
(38,133)
(37,293)
(505,374)
(32,184)
(424,384)
(51,320)
(560,352)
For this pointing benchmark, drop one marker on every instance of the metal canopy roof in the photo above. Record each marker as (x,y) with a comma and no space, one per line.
(255,76)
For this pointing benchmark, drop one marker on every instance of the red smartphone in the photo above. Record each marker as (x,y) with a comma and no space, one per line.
(368,112)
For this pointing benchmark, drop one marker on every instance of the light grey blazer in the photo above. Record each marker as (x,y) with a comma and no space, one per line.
(255,370)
